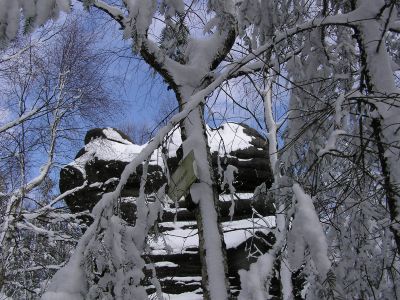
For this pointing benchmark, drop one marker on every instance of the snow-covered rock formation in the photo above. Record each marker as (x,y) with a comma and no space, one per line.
(174,250)
(107,151)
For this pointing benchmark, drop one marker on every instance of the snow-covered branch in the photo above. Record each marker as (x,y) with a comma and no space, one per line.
(49,207)
(113,11)
(21,119)
(272,128)
(311,231)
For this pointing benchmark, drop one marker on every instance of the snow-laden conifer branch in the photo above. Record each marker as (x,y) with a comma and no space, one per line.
(35,14)
(113,11)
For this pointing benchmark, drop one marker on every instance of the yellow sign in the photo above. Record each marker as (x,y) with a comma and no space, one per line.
(184,176)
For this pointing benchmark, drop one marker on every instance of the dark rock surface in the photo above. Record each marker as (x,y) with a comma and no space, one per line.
(252,163)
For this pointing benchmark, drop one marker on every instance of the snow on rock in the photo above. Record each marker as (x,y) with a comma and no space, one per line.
(113,135)
(167,264)
(241,196)
(228,138)
(111,144)
(184,296)
(182,236)
(111,150)
(176,257)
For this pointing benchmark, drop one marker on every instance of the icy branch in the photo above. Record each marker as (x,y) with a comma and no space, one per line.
(112,11)
(272,128)
(20,120)
(311,231)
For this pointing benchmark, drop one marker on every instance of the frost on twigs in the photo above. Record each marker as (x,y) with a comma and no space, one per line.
(330,145)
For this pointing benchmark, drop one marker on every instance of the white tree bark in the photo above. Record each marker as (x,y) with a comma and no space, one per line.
(205,195)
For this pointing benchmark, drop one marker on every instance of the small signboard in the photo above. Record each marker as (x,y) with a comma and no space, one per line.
(184,176)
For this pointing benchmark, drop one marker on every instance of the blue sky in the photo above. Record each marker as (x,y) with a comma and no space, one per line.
(140,88)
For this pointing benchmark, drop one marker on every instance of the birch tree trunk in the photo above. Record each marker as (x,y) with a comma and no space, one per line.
(205,195)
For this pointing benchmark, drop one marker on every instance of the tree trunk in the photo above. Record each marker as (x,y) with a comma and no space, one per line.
(383,95)
(205,195)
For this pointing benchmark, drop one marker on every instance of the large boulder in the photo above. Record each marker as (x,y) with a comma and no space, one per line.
(107,151)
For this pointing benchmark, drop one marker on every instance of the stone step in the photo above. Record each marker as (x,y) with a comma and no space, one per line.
(244,209)
(171,268)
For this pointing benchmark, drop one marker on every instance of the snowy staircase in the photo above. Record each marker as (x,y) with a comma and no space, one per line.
(175,251)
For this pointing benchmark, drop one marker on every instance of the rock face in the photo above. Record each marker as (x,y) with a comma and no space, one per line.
(98,166)
(107,151)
